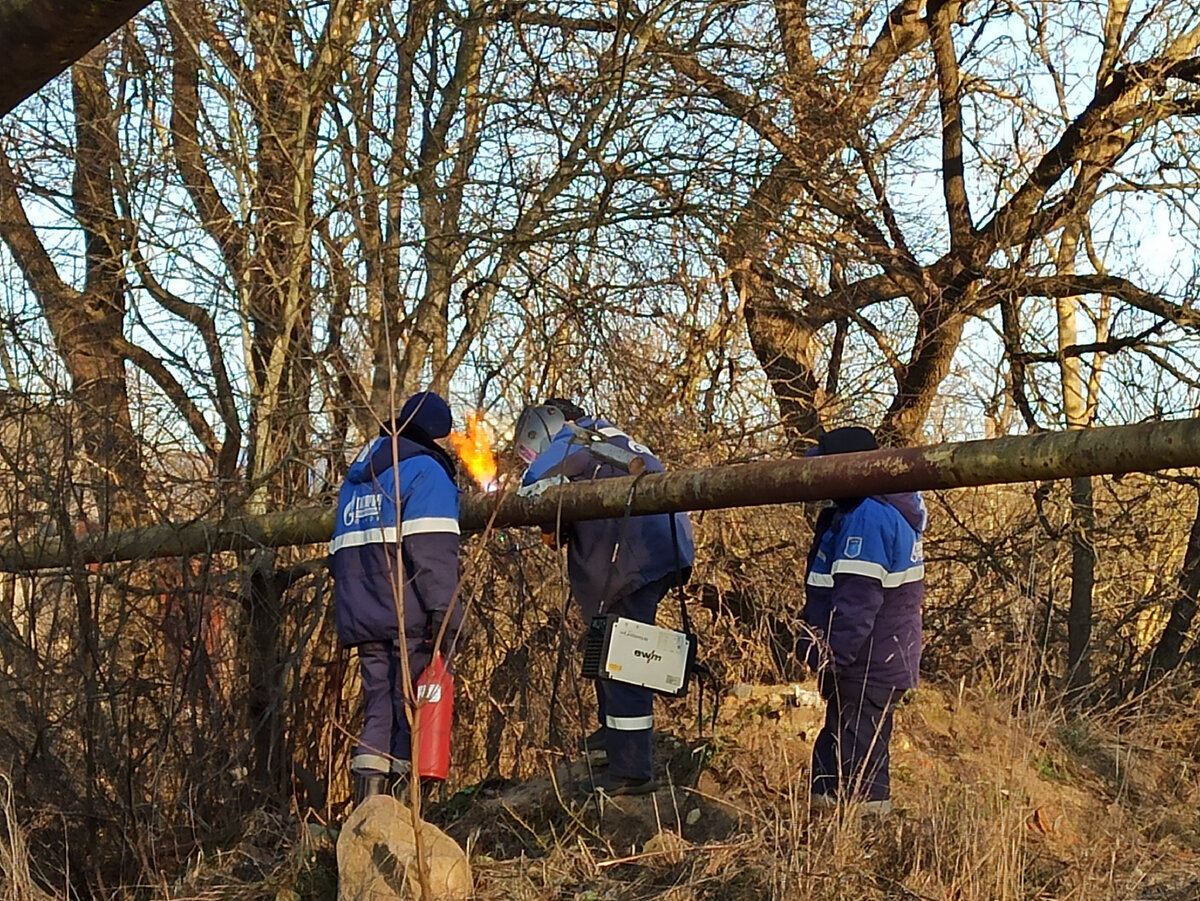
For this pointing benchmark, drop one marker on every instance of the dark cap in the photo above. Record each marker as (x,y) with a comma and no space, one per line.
(425,410)
(570,410)
(846,440)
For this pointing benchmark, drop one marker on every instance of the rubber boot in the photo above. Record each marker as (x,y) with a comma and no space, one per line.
(397,786)
(369,784)
(594,749)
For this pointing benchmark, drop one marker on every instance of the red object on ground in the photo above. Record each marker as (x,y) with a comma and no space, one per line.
(435,717)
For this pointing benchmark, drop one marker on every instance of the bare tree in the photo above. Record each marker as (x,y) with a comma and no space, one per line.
(88,322)
(839,126)
(726,226)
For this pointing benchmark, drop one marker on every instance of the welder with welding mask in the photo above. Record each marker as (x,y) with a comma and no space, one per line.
(864,585)
(395,558)
(621,566)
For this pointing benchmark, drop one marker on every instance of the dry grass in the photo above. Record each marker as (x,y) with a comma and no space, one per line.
(996,801)
(1004,794)
(991,807)
(16,879)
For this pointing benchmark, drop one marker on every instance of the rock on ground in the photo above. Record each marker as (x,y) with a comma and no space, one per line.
(377,856)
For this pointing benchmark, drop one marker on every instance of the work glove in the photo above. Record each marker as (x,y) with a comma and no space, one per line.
(809,648)
(448,642)
(827,683)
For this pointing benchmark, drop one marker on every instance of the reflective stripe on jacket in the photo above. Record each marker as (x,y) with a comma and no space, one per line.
(864,588)
(646,553)
(364,545)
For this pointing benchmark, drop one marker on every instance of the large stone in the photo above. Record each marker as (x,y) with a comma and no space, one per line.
(377,857)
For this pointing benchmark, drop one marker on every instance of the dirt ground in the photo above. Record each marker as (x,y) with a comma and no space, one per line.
(990,803)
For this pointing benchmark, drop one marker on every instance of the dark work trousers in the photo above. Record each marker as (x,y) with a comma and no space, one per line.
(850,757)
(627,711)
(385,738)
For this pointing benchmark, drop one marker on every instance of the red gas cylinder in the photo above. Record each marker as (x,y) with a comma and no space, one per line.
(435,717)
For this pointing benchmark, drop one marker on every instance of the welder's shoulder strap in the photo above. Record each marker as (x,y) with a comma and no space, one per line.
(577,464)
(682,574)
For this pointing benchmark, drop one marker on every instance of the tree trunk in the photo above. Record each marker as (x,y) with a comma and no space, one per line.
(1083,580)
(939,330)
(88,325)
(279,359)
(1083,513)
(262,605)
(780,337)
(1168,653)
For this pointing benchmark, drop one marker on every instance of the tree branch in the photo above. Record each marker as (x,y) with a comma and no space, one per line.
(903,32)
(203,322)
(1072,285)
(1102,117)
(215,217)
(22,240)
(802,158)
(517,14)
(1114,27)
(940,16)
(162,376)
(1108,346)
(885,206)
(792,18)
(97,158)
(1011,330)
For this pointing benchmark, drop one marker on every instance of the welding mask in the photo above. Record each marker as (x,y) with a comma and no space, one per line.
(536,428)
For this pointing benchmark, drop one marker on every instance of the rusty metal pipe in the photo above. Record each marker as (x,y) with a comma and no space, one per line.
(1146,447)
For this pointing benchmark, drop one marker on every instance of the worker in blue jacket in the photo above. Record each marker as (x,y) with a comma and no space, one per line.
(622,566)
(865,584)
(395,559)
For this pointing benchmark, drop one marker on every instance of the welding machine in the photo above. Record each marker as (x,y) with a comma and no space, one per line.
(625,650)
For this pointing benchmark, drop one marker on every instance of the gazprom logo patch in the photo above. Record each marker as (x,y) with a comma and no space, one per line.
(364,507)
(853,546)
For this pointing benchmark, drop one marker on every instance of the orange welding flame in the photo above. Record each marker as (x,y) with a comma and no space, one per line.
(475,450)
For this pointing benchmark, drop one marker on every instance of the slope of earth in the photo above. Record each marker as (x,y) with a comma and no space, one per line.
(991,803)
(994,801)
